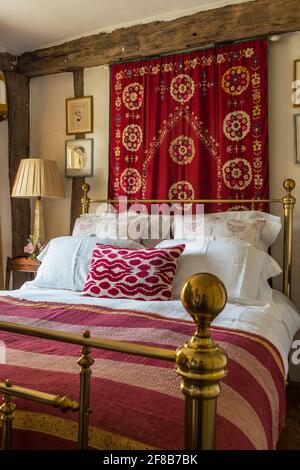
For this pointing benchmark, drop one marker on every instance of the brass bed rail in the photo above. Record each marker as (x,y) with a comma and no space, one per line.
(200,363)
(287,201)
(7,408)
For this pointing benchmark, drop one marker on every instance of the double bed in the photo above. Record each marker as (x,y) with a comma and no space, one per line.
(136,400)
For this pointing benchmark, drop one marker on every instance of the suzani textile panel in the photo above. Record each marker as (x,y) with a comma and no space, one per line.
(192,125)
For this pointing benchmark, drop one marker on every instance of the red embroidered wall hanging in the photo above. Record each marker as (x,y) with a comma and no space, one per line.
(192,125)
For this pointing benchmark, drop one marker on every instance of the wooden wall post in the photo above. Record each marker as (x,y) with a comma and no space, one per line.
(18,137)
(78,78)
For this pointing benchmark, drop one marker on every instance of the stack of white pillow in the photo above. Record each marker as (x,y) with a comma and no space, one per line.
(234,248)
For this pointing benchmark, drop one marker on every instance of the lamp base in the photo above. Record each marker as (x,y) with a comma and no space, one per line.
(39,227)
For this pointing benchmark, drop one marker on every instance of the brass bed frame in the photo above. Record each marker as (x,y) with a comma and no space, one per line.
(287,201)
(200,362)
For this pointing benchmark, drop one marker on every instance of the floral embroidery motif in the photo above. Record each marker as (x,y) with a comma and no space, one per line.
(117,151)
(133,95)
(237,173)
(248,52)
(258,181)
(182,150)
(182,88)
(130,180)
(256,96)
(257,142)
(181,190)
(236,80)
(255,79)
(188,64)
(198,127)
(236,125)
(118,103)
(256,110)
(132,137)
(257,163)
(256,145)
(131,158)
(237,148)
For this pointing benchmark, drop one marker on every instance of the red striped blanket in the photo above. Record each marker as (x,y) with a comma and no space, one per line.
(136,401)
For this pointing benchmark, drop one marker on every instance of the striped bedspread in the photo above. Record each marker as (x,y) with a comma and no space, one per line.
(136,401)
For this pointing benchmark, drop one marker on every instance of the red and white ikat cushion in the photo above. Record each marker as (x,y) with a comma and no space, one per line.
(125,273)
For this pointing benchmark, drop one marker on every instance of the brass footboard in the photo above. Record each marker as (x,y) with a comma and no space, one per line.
(8,407)
(200,362)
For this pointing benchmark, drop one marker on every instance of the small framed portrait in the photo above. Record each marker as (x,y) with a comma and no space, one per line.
(296,84)
(79,158)
(297,137)
(79,115)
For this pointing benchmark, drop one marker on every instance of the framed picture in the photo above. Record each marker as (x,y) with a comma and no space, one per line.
(297,137)
(79,115)
(296,77)
(79,158)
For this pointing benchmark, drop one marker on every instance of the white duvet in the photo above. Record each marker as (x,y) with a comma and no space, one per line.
(278,321)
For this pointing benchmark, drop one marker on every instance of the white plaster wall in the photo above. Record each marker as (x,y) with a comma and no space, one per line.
(5,213)
(48,95)
(281,139)
(96,83)
(47,140)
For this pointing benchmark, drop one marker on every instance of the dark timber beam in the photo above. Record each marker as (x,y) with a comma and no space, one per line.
(230,23)
(8,62)
(78,79)
(17,86)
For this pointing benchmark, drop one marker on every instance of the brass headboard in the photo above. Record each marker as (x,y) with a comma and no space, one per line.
(288,203)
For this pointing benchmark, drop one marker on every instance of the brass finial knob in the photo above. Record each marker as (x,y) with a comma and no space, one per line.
(204,297)
(201,362)
(86,334)
(85,187)
(65,403)
(8,383)
(289,184)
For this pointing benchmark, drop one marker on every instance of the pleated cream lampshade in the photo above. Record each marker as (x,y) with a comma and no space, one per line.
(38,178)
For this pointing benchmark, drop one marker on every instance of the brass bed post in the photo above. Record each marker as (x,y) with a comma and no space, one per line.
(85,201)
(85,361)
(201,363)
(288,202)
(6,415)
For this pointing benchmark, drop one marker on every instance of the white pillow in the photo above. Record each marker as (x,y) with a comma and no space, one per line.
(243,269)
(146,229)
(157,229)
(108,225)
(258,228)
(66,261)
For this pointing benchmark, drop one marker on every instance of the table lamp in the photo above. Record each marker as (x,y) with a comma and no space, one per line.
(38,178)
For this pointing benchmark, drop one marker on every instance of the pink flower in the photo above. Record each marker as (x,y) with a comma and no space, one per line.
(29,248)
(34,246)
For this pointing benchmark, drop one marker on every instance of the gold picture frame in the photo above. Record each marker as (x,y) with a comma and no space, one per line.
(79,158)
(296,77)
(296,119)
(79,115)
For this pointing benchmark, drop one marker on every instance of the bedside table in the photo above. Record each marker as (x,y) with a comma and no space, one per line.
(20,264)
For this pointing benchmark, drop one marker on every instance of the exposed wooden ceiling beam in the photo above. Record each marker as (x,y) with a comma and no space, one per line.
(8,62)
(224,24)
